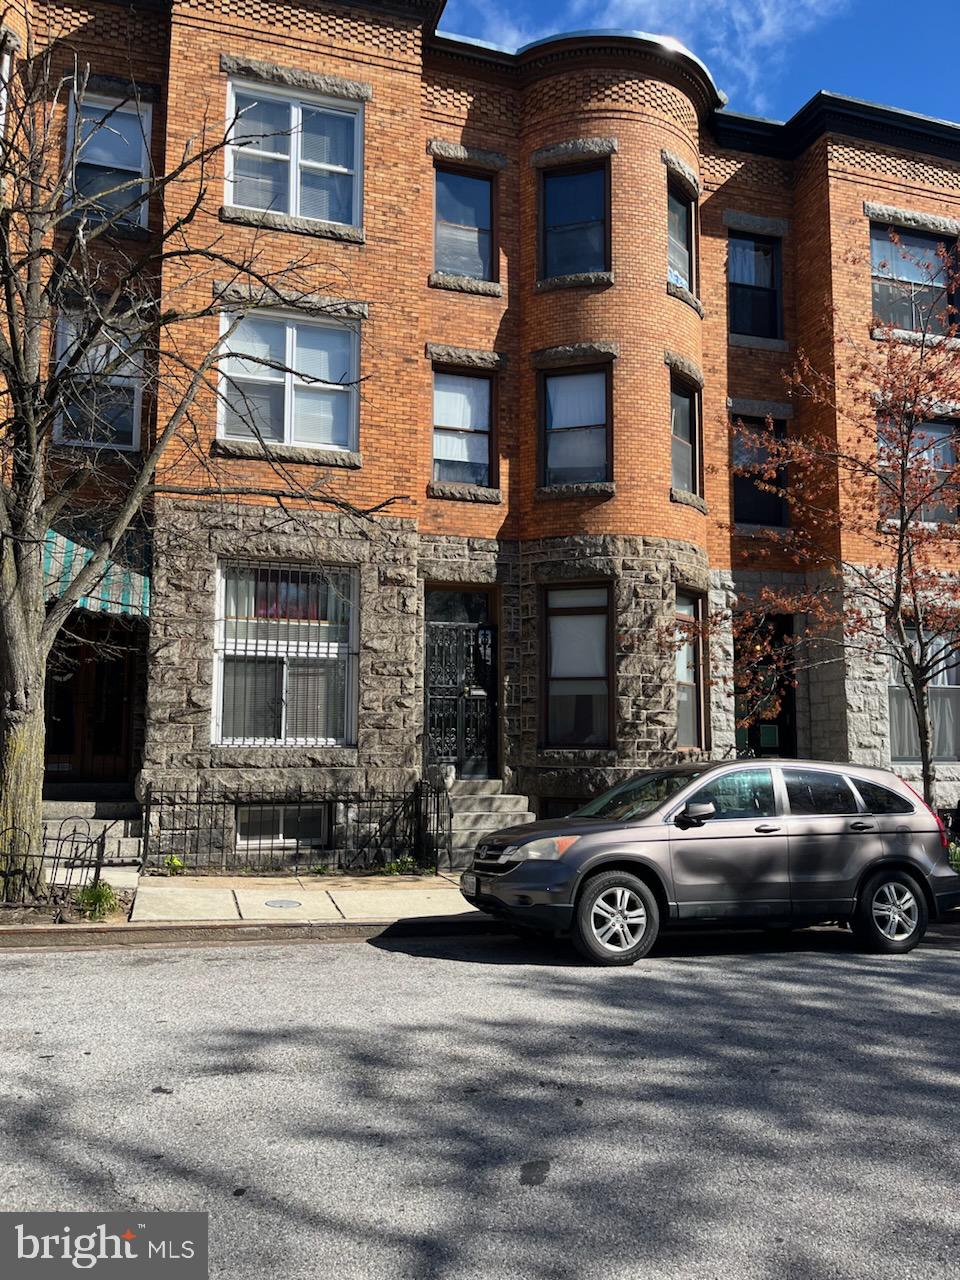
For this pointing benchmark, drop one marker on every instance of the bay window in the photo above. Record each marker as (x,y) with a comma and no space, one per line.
(290,381)
(575,231)
(286,655)
(463,232)
(680,238)
(461,427)
(576,426)
(578,665)
(684,436)
(111,157)
(910,278)
(689,672)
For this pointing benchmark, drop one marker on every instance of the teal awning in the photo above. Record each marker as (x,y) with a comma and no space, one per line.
(120,590)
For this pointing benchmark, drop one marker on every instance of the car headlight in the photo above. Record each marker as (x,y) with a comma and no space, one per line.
(549,850)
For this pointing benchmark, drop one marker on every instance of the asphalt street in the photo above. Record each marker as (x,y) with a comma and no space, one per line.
(732,1107)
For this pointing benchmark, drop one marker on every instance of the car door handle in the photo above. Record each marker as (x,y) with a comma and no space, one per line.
(862,826)
(766,829)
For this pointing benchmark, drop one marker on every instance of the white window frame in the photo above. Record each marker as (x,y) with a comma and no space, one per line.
(128,106)
(284,841)
(351,685)
(6,69)
(65,324)
(294,160)
(291,320)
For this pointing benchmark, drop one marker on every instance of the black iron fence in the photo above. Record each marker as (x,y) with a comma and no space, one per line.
(300,830)
(71,859)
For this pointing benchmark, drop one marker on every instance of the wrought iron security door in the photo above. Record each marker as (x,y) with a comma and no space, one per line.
(461,681)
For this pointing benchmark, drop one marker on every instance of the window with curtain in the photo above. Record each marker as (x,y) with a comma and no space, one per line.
(101,397)
(461,427)
(753,281)
(285,654)
(910,278)
(112,157)
(463,233)
(939,440)
(291,381)
(680,242)
(298,156)
(578,667)
(689,672)
(576,427)
(752,504)
(575,235)
(944,694)
(684,436)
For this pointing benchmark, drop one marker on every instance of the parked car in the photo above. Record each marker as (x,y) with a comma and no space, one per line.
(776,843)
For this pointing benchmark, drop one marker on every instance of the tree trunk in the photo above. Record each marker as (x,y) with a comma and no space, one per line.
(21,788)
(924,733)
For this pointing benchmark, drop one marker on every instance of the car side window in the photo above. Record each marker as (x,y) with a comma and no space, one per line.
(747,793)
(816,793)
(880,799)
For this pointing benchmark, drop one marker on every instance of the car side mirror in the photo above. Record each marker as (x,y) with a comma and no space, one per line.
(695,815)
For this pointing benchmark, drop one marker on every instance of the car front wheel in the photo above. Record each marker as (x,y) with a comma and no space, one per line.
(891,914)
(617,919)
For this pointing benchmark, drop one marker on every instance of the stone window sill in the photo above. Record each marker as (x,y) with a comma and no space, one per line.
(119,230)
(601,489)
(463,492)
(914,339)
(344,458)
(266,220)
(464,284)
(761,530)
(578,755)
(757,344)
(687,499)
(684,295)
(285,754)
(580,280)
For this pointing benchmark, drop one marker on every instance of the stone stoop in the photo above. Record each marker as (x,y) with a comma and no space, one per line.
(481,807)
(121,820)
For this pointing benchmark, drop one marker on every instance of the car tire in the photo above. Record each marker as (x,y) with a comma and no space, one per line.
(891,915)
(617,919)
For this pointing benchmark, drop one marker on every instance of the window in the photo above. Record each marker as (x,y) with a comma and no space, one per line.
(578,667)
(291,381)
(689,672)
(680,231)
(112,157)
(102,395)
(463,233)
(753,271)
(816,794)
(910,279)
(286,655)
(747,793)
(753,504)
(297,156)
(576,427)
(944,695)
(939,441)
(684,436)
(880,800)
(6,66)
(576,235)
(461,428)
(283,825)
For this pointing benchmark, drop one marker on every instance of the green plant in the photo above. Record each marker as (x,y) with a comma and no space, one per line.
(95,901)
(953,853)
(403,865)
(173,865)
(320,869)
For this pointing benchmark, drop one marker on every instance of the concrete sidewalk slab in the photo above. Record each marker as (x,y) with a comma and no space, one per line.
(402,904)
(163,902)
(312,904)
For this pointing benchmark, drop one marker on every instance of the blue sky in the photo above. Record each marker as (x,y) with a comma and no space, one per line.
(768,56)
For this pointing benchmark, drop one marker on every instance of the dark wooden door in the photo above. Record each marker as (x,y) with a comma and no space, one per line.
(88,700)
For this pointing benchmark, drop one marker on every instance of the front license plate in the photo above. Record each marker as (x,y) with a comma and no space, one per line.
(468,883)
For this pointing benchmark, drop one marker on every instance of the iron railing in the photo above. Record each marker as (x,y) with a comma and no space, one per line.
(297,830)
(71,859)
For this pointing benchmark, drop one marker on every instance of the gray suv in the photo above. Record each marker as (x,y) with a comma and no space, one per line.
(767,842)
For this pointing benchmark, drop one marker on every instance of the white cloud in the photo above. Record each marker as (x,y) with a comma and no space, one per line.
(743,42)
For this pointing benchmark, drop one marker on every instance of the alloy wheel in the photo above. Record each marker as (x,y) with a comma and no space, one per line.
(618,919)
(895,910)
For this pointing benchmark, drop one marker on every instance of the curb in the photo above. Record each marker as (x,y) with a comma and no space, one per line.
(34,937)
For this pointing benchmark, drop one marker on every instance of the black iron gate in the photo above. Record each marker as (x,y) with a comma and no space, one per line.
(461,683)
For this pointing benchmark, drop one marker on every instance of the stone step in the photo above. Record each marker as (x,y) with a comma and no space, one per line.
(489,804)
(476,787)
(57,810)
(92,828)
(483,823)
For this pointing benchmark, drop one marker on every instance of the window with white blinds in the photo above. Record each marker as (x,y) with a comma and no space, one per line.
(297,156)
(286,654)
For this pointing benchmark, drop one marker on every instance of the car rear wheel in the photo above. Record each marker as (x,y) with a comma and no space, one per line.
(617,919)
(891,914)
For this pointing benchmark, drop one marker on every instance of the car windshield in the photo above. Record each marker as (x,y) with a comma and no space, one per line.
(639,796)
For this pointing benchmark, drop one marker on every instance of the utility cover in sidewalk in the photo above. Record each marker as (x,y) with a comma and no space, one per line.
(282,902)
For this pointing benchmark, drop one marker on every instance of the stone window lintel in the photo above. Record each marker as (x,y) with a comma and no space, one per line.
(330,86)
(473,157)
(573,151)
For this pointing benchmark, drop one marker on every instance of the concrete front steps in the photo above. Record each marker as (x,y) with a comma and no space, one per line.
(481,807)
(81,820)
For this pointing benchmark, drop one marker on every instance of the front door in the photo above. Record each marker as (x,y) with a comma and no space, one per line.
(736,863)
(88,700)
(461,683)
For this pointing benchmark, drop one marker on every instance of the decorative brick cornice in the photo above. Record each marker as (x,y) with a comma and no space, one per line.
(579,280)
(456,153)
(680,170)
(465,357)
(346,459)
(912,219)
(684,295)
(574,353)
(463,492)
(233,64)
(268,220)
(683,366)
(735,220)
(464,284)
(777,409)
(573,151)
(263,297)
